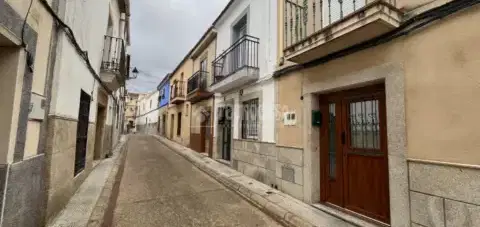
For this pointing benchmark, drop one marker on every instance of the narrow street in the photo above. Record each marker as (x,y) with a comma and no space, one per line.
(161,188)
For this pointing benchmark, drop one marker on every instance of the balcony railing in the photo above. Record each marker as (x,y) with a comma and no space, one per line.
(197,82)
(243,53)
(177,90)
(114,58)
(304,18)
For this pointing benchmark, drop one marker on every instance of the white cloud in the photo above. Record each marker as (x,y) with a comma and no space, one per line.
(163,31)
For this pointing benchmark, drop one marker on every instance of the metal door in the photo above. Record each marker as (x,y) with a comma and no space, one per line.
(82,133)
(226,125)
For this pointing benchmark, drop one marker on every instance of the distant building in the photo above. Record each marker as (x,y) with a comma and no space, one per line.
(163,101)
(147,115)
(130,112)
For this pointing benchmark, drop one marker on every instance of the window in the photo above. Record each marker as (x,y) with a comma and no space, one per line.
(250,119)
(179,124)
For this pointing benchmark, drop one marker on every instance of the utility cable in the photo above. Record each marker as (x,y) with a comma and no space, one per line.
(83,54)
(413,24)
(25,24)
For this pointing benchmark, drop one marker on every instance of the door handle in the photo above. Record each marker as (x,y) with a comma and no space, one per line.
(343,138)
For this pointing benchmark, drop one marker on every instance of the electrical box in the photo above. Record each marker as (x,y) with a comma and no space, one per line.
(316,118)
(36,110)
(289,118)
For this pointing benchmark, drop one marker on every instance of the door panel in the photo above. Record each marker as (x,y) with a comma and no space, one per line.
(354,152)
(333,157)
(366,192)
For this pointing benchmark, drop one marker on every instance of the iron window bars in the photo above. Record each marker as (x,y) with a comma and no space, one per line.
(250,120)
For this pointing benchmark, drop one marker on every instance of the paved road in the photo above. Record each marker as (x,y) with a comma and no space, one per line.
(161,188)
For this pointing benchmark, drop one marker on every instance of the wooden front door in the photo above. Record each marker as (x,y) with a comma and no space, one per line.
(354,151)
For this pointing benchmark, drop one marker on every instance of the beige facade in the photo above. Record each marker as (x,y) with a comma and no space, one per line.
(431,81)
(201,128)
(183,108)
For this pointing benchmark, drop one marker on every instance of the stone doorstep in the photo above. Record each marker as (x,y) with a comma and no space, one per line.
(284,208)
(101,207)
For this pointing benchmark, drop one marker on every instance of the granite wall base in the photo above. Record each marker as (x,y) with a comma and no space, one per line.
(107,140)
(61,183)
(444,195)
(279,167)
(25,193)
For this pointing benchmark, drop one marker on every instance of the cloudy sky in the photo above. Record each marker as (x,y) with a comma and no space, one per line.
(162,33)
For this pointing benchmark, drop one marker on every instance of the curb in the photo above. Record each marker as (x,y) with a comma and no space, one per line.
(102,214)
(272,209)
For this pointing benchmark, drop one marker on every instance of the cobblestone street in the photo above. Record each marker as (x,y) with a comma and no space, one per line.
(161,188)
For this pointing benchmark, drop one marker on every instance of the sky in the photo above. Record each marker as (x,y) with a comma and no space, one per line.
(162,33)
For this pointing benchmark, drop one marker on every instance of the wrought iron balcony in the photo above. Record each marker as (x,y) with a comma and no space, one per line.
(316,28)
(115,62)
(197,87)
(177,92)
(237,65)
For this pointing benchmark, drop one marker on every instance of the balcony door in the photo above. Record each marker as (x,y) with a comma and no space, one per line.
(239,51)
(202,80)
(354,152)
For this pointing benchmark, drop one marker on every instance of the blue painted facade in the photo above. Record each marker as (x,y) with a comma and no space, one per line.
(164,89)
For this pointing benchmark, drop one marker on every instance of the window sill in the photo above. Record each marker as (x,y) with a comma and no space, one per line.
(250,139)
(225,162)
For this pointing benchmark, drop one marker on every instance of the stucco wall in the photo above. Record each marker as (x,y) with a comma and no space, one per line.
(329,77)
(148,111)
(265,91)
(434,78)
(209,54)
(441,82)
(442,86)
(288,94)
(166,97)
(197,116)
(258,11)
(72,73)
(185,108)
(184,137)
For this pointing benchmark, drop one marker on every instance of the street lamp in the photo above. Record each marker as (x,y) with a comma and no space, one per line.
(135,73)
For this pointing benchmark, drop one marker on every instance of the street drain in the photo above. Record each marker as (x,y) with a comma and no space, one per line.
(269,192)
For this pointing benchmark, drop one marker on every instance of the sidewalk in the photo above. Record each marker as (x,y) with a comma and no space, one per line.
(281,206)
(94,200)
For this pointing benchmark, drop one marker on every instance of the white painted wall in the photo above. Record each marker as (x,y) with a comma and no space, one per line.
(262,23)
(89,21)
(148,109)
